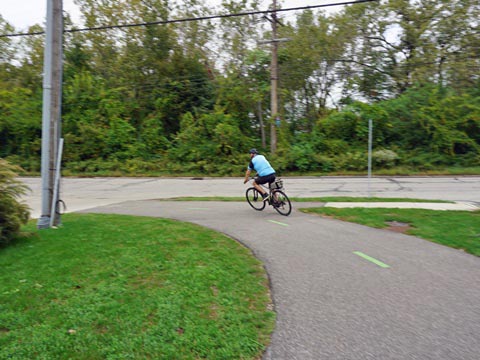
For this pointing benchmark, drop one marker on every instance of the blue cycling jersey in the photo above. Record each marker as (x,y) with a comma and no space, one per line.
(261,165)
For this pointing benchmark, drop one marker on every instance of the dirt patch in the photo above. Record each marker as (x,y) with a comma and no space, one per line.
(397,226)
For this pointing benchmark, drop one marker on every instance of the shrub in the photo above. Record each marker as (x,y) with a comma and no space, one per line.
(303,157)
(26,164)
(334,146)
(427,161)
(385,158)
(325,163)
(352,161)
(12,213)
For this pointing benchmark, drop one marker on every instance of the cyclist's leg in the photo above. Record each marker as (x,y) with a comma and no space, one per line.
(271,180)
(260,189)
(263,180)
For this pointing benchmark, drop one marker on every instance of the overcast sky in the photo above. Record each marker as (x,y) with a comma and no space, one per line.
(24,13)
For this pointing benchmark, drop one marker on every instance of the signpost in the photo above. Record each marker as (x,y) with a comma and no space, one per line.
(370,130)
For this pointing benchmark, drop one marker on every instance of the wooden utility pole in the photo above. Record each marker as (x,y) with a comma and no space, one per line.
(275,116)
(51,113)
(274,83)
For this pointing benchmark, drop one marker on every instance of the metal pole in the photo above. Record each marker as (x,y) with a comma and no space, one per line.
(52,77)
(44,220)
(54,220)
(370,130)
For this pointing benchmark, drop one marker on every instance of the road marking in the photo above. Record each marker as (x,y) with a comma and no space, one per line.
(278,222)
(375,261)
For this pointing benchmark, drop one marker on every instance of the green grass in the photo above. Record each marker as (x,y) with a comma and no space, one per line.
(396,171)
(457,229)
(364,199)
(309,199)
(121,287)
(205,198)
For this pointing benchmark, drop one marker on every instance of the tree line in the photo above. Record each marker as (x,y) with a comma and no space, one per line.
(193,97)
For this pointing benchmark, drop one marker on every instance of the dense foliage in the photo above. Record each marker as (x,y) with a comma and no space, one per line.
(193,97)
(13,213)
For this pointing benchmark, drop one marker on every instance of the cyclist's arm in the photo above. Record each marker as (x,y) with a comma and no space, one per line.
(247,176)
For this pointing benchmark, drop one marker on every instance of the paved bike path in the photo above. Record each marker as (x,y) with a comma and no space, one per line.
(346,291)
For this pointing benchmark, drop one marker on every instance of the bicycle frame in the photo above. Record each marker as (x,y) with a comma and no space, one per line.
(270,192)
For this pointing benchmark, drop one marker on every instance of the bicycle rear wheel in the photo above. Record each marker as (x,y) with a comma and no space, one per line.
(255,199)
(281,203)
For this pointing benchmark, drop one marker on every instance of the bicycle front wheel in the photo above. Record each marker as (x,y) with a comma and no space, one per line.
(281,203)
(255,199)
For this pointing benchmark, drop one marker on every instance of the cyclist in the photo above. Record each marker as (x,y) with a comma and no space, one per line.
(265,172)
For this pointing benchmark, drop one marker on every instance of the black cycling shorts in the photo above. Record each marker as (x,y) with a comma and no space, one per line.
(265,179)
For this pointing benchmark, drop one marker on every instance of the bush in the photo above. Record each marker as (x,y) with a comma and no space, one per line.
(385,158)
(13,214)
(26,164)
(303,157)
(427,161)
(325,163)
(334,146)
(352,161)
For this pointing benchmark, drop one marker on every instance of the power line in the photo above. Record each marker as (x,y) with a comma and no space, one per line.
(211,17)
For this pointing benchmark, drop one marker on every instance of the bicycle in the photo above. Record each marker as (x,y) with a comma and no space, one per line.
(278,199)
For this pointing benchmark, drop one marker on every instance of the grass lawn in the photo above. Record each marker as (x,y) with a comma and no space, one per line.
(365,199)
(309,199)
(122,287)
(457,229)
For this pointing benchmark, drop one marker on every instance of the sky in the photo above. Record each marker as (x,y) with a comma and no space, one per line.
(24,13)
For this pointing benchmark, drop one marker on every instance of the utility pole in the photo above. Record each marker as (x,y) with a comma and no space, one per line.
(51,112)
(274,83)
(275,116)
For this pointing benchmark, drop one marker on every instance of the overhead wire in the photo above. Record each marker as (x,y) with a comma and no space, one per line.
(199,18)
(165,84)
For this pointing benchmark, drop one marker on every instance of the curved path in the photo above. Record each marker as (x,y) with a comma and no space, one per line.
(346,291)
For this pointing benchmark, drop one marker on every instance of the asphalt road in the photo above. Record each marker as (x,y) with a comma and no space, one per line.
(345,291)
(85,193)
(341,290)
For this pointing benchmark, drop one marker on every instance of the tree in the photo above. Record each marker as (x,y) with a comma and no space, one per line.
(308,68)
(20,125)
(400,43)
(243,79)
(411,66)
(219,144)
(8,50)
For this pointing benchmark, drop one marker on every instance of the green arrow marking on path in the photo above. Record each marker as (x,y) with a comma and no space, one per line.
(369,258)
(278,222)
